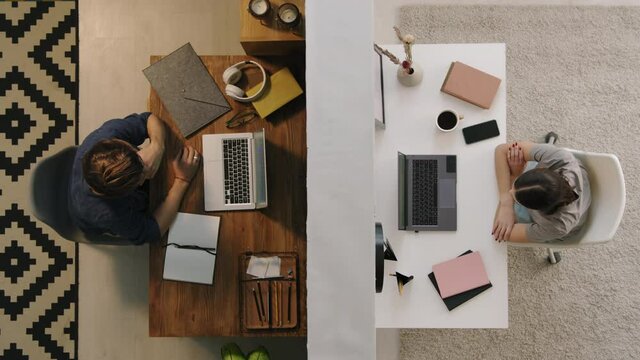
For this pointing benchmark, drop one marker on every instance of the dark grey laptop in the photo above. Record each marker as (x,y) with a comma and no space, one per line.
(427,192)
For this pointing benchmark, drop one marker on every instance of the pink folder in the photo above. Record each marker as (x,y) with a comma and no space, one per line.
(458,275)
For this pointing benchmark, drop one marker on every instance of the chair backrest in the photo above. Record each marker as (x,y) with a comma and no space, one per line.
(49,194)
(608,198)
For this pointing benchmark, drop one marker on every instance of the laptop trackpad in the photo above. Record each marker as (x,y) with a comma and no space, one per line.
(446,193)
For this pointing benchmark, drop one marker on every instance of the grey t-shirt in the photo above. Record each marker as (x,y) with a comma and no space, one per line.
(567,220)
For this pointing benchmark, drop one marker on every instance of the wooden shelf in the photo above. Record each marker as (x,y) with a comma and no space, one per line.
(267,37)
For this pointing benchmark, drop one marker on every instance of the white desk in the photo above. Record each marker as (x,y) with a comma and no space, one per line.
(411,129)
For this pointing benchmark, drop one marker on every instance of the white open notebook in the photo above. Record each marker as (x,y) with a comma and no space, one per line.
(192,265)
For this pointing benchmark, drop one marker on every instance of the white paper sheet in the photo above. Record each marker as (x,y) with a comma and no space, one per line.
(378,97)
(264,267)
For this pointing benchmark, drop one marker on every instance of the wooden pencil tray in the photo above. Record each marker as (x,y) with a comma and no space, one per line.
(269,304)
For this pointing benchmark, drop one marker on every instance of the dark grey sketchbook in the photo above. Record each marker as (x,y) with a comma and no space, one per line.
(187,90)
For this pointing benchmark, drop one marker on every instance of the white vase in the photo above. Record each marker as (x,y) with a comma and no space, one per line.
(410,79)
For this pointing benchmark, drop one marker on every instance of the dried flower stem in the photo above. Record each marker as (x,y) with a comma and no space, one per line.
(398,33)
(407,40)
(407,49)
(386,53)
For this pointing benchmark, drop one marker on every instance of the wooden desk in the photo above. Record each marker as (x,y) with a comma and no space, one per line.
(184,309)
(267,37)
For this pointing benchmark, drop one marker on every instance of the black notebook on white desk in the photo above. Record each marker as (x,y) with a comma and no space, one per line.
(454,301)
(192,265)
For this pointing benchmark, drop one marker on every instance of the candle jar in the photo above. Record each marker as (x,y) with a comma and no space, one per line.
(259,8)
(288,15)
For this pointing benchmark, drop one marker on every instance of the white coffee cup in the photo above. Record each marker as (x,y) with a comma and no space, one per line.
(448,120)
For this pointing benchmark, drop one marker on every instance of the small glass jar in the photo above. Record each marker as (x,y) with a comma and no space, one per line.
(288,15)
(259,8)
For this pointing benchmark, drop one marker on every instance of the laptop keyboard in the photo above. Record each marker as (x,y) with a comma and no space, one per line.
(425,192)
(236,171)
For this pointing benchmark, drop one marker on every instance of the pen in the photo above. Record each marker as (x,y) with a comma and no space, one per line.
(202,101)
(275,305)
(289,304)
(269,302)
(261,301)
(281,304)
(255,297)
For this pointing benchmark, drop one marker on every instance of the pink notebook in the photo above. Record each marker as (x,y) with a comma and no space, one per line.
(458,275)
(471,85)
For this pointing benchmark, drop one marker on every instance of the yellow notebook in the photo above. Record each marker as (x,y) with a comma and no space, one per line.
(283,88)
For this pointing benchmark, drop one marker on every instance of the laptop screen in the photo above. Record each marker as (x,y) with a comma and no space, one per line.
(259,145)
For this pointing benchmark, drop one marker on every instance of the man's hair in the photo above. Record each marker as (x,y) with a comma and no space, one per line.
(112,168)
(543,189)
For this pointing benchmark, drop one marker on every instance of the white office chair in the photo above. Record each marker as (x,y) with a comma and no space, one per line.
(608,198)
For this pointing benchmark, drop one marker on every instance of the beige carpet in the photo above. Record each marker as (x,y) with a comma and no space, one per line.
(574,70)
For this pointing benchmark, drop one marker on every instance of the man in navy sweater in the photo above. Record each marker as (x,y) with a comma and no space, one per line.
(105,195)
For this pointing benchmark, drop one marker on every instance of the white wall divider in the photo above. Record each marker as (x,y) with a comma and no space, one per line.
(340,220)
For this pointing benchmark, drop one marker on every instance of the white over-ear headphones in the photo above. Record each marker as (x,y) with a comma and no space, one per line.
(231,76)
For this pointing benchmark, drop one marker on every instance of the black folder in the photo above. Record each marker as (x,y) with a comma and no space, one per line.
(454,301)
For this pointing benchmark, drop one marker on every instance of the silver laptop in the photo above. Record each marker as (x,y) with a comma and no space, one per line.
(427,192)
(235,171)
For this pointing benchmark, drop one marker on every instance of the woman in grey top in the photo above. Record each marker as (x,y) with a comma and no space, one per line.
(551,200)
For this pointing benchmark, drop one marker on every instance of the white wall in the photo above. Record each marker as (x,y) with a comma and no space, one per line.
(340,222)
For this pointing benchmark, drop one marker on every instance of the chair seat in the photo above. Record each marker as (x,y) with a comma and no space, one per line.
(575,241)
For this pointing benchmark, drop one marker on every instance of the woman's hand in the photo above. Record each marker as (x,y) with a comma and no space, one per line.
(503,222)
(185,164)
(515,159)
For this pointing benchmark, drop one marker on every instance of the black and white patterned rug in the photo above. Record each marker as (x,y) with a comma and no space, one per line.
(38,116)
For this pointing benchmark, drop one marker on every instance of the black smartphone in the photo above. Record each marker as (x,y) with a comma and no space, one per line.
(482,131)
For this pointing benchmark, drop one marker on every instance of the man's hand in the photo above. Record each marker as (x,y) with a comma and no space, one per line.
(515,159)
(503,222)
(151,158)
(152,154)
(185,164)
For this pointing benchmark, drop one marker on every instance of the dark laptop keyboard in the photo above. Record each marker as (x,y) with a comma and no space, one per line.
(425,192)
(236,171)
